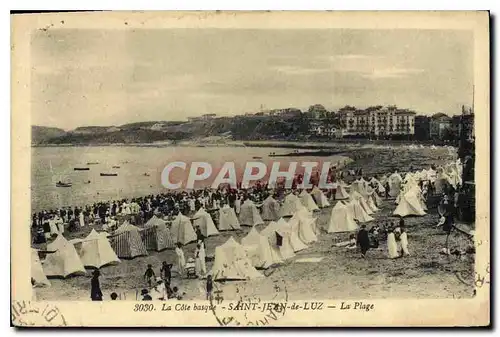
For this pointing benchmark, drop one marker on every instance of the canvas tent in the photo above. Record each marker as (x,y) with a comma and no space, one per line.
(305,226)
(95,250)
(276,240)
(156,235)
(377,185)
(37,273)
(284,239)
(227,219)
(409,205)
(319,197)
(341,193)
(260,251)
(291,205)
(307,200)
(358,213)
(249,214)
(204,221)
(395,181)
(270,209)
(371,203)
(341,220)
(127,242)
(231,263)
(293,227)
(64,261)
(182,230)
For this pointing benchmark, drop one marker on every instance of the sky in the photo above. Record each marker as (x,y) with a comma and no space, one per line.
(82,77)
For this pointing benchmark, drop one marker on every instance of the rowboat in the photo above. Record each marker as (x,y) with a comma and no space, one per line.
(116,166)
(81,168)
(61,184)
(92,163)
(109,174)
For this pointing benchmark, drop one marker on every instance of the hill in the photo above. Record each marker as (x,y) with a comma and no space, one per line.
(40,134)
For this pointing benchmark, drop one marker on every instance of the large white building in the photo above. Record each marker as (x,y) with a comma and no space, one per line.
(377,121)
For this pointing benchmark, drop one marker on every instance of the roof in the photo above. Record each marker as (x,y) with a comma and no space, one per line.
(441,115)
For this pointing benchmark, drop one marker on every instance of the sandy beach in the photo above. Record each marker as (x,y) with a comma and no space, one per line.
(322,271)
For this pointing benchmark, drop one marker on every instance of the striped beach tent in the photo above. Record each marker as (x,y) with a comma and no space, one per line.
(127,242)
(156,235)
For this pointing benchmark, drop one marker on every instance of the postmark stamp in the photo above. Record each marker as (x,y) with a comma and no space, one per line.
(237,304)
(34,314)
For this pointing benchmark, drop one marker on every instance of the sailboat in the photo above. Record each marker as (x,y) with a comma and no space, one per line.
(60,182)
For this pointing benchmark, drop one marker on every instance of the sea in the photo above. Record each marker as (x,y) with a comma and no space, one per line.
(138,170)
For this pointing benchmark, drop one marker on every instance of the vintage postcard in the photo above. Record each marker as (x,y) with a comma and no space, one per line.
(250,169)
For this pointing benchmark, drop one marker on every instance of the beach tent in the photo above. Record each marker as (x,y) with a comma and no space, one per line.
(308,201)
(383,179)
(260,251)
(395,181)
(371,203)
(227,219)
(359,198)
(270,209)
(291,205)
(319,197)
(231,263)
(293,227)
(442,180)
(37,273)
(276,240)
(95,251)
(341,193)
(377,199)
(359,186)
(156,235)
(204,221)
(305,225)
(64,261)
(357,211)
(127,243)
(409,205)
(341,219)
(182,230)
(249,214)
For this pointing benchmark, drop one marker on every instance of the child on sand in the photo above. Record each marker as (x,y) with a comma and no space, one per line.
(149,275)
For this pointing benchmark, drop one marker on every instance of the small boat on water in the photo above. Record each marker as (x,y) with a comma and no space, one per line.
(146,174)
(82,168)
(63,184)
(92,163)
(256,157)
(116,166)
(109,174)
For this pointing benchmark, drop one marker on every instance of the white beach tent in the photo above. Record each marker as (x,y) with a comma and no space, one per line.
(284,240)
(359,186)
(319,197)
(306,226)
(359,198)
(95,250)
(358,213)
(249,214)
(293,227)
(127,242)
(409,205)
(156,235)
(259,250)
(341,220)
(204,221)
(64,261)
(395,181)
(37,273)
(182,230)
(377,185)
(232,263)
(376,198)
(227,219)
(341,193)
(371,202)
(283,244)
(291,205)
(270,209)
(307,200)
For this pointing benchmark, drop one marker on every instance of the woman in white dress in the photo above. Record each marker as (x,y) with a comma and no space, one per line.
(392,246)
(203,255)
(82,221)
(181,260)
(404,242)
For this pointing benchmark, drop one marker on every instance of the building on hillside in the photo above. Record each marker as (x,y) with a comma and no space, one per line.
(317,111)
(422,127)
(113,129)
(439,123)
(377,122)
(157,127)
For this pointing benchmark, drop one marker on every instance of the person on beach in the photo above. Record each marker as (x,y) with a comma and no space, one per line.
(145,295)
(166,272)
(404,241)
(149,275)
(363,240)
(210,287)
(95,288)
(197,263)
(114,296)
(181,260)
(392,246)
